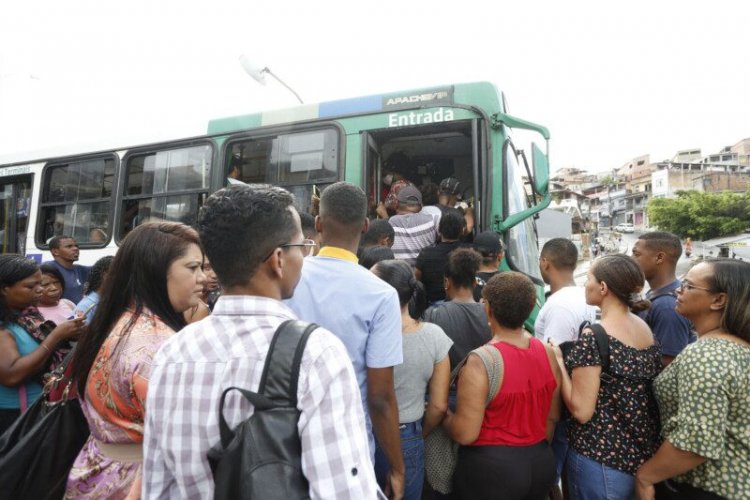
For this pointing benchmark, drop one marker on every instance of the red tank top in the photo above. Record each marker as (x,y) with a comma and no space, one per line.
(518,414)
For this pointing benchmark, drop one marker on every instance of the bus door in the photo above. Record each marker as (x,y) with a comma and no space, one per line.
(15,203)
(373,165)
(425,155)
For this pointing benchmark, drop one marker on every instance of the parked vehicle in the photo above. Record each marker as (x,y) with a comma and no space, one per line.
(625,227)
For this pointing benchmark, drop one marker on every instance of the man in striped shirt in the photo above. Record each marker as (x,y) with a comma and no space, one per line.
(413,230)
(253,238)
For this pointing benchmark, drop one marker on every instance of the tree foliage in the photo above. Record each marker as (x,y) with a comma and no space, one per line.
(701,215)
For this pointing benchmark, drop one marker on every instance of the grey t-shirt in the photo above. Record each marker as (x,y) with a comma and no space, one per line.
(422,350)
(465,323)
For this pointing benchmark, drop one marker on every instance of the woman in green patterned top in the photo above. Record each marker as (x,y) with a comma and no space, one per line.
(703,395)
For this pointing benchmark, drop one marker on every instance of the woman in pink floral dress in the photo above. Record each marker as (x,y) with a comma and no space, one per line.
(155,277)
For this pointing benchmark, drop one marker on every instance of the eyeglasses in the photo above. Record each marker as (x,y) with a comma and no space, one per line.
(307,246)
(686,285)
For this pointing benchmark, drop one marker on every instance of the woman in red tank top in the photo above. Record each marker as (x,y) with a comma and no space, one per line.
(505,449)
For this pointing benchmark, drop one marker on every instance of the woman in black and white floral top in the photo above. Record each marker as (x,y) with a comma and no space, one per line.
(704,394)
(615,424)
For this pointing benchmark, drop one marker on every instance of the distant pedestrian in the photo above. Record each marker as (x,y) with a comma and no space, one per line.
(688,247)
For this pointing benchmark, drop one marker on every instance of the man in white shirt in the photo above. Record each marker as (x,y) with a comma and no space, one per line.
(560,317)
(565,308)
(253,238)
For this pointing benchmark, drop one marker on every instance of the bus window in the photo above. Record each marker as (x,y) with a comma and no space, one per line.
(523,251)
(76,200)
(286,159)
(165,185)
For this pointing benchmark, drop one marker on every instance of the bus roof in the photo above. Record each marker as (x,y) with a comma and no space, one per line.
(462,93)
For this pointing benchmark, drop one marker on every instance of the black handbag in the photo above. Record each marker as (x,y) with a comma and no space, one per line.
(261,458)
(38,450)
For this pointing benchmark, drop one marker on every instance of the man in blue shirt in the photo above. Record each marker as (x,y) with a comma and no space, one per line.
(657,254)
(359,308)
(65,252)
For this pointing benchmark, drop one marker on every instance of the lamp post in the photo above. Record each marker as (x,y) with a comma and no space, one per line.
(259,75)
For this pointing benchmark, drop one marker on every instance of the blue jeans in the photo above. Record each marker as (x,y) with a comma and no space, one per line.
(560,447)
(412,447)
(590,480)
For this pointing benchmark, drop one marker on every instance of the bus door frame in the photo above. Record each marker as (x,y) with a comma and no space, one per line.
(12,238)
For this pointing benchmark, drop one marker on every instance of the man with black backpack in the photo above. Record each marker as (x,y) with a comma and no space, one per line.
(248,403)
(657,254)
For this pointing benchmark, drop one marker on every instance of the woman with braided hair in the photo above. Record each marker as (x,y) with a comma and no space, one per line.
(426,369)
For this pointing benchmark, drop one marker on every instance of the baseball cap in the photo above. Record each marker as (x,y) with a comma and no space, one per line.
(409,194)
(450,185)
(488,242)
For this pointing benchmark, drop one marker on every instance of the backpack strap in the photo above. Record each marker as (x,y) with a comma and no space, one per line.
(602,345)
(281,371)
(279,381)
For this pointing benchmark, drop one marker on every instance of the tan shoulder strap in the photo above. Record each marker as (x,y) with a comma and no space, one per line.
(493,363)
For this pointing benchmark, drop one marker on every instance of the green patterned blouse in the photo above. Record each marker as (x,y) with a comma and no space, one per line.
(704,400)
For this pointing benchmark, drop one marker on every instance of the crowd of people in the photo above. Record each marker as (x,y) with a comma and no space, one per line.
(420,328)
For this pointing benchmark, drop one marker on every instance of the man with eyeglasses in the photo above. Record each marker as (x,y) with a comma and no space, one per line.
(362,310)
(657,254)
(253,239)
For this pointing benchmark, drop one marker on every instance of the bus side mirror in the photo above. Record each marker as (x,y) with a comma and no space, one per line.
(541,170)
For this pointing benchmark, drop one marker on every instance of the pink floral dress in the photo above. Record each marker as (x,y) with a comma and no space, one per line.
(114,407)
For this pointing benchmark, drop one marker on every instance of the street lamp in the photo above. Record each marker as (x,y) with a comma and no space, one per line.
(259,75)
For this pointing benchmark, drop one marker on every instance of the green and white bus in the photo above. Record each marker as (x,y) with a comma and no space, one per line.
(460,130)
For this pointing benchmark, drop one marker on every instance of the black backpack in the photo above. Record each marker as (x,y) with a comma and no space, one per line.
(262,457)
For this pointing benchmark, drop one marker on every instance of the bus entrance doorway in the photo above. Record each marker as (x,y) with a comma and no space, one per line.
(424,155)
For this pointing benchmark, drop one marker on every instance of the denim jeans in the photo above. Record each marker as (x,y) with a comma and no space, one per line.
(590,480)
(412,447)
(560,448)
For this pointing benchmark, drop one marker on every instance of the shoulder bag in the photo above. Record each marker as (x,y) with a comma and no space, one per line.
(441,452)
(38,450)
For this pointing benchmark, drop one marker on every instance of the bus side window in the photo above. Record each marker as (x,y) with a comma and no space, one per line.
(76,197)
(169,184)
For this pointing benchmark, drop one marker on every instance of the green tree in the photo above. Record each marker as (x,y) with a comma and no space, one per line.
(701,215)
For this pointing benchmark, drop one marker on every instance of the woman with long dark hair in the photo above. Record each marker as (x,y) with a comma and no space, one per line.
(155,277)
(426,369)
(28,346)
(703,394)
(615,424)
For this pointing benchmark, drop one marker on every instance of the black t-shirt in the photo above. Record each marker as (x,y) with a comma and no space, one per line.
(465,323)
(482,278)
(432,261)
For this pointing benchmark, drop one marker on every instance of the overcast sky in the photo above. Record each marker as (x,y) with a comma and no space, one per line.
(610,80)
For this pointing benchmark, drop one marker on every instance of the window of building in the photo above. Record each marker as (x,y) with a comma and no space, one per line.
(76,201)
(169,184)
